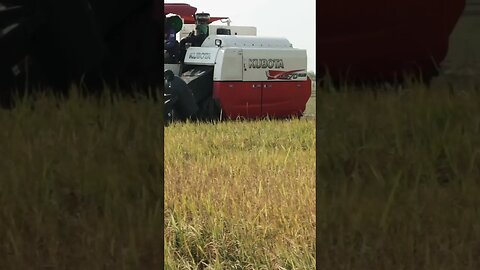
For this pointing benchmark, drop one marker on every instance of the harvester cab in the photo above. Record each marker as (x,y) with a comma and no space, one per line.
(233,75)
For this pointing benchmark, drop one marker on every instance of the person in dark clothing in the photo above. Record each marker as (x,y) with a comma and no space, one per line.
(196,38)
(171,46)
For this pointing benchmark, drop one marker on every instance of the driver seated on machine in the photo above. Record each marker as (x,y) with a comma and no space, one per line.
(196,38)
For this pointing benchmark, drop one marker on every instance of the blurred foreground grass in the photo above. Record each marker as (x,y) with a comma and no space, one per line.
(399,178)
(80,184)
(240,195)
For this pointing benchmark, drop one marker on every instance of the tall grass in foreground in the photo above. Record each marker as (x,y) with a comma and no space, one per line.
(240,195)
(399,178)
(80,184)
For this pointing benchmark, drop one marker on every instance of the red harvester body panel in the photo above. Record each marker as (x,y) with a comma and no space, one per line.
(259,99)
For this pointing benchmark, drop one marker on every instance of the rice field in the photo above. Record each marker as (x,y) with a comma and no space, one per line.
(240,195)
(81,183)
(398,182)
(398,169)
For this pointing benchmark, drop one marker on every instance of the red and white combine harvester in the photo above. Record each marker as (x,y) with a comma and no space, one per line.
(227,71)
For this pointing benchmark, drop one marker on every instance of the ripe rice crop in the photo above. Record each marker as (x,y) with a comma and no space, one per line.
(240,195)
(399,177)
(80,183)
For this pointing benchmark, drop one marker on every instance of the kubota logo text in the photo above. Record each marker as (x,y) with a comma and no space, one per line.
(265,63)
(200,55)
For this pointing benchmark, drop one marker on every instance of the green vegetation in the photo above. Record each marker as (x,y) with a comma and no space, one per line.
(240,195)
(399,178)
(80,184)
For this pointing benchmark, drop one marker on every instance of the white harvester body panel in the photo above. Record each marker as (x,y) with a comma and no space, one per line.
(279,64)
(212,29)
(247,42)
(250,59)
(228,66)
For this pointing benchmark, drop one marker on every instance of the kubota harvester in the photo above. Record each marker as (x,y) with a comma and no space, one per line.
(233,76)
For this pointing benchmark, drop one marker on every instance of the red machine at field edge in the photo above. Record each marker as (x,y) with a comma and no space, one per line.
(377,39)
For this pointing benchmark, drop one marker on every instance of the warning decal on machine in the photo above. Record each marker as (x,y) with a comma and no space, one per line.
(286,75)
